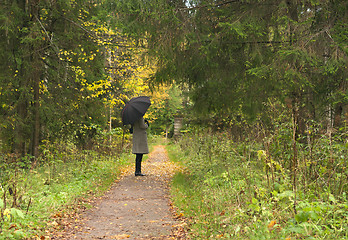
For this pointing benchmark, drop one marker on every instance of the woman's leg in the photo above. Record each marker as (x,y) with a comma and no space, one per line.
(138,159)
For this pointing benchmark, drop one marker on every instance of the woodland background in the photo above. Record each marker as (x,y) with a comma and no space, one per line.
(267,75)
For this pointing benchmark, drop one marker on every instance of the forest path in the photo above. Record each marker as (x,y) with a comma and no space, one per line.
(134,207)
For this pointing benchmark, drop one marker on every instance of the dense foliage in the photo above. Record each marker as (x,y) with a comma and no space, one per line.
(236,55)
(64,76)
(33,201)
(268,75)
(64,72)
(245,190)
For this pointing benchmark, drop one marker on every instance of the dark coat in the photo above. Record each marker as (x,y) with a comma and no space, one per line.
(140,137)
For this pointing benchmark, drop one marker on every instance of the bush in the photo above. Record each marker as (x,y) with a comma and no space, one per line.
(246,190)
(31,194)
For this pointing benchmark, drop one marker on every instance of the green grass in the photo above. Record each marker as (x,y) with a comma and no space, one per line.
(225,193)
(55,186)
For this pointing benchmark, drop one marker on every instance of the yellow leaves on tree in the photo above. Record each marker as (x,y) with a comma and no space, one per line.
(124,74)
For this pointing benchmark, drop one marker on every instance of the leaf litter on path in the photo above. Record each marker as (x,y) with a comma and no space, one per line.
(134,207)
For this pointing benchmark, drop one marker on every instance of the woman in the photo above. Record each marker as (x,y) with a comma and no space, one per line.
(140,146)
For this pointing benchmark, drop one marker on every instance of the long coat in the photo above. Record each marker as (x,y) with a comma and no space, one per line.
(140,137)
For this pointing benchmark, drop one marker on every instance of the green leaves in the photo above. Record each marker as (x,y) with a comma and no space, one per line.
(16,213)
(77,63)
(63,177)
(286,195)
(282,44)
(226,184)
(235,28)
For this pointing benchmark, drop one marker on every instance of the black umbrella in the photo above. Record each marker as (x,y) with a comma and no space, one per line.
(135,109)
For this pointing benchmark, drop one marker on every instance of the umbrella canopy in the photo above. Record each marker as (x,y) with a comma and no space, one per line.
(135,109)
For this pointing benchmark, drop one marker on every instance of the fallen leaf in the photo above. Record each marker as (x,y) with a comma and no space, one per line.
(271,225)
(122,236)
(179,215)
(13,226)
(57,215)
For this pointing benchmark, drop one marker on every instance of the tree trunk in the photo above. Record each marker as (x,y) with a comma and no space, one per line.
(35,79)
(36,133)
(337,115)
(20,133)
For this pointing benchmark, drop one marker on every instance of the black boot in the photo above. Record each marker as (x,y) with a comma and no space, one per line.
(138,165)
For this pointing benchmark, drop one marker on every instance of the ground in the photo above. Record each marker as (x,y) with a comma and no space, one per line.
(134,207)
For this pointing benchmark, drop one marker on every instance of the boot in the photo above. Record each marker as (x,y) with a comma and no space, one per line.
(138,167)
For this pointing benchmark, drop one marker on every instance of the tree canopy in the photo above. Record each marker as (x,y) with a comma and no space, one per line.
(62,60)
(234,55)
(62,67)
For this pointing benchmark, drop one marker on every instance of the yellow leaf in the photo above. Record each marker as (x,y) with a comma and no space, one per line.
(271,224)
(122,236)
(7,213)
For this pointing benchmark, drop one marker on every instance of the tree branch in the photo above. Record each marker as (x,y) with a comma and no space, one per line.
(204,6)
(219,5)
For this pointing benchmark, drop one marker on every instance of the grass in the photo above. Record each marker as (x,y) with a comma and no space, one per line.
(55,186)
(227,193)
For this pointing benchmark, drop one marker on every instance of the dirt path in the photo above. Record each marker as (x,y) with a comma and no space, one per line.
(134,208)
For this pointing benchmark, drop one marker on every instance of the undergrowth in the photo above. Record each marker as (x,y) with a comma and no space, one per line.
(242,190)
(31,195)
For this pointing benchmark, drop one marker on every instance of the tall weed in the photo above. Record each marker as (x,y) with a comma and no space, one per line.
(30,195)
(245,190)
